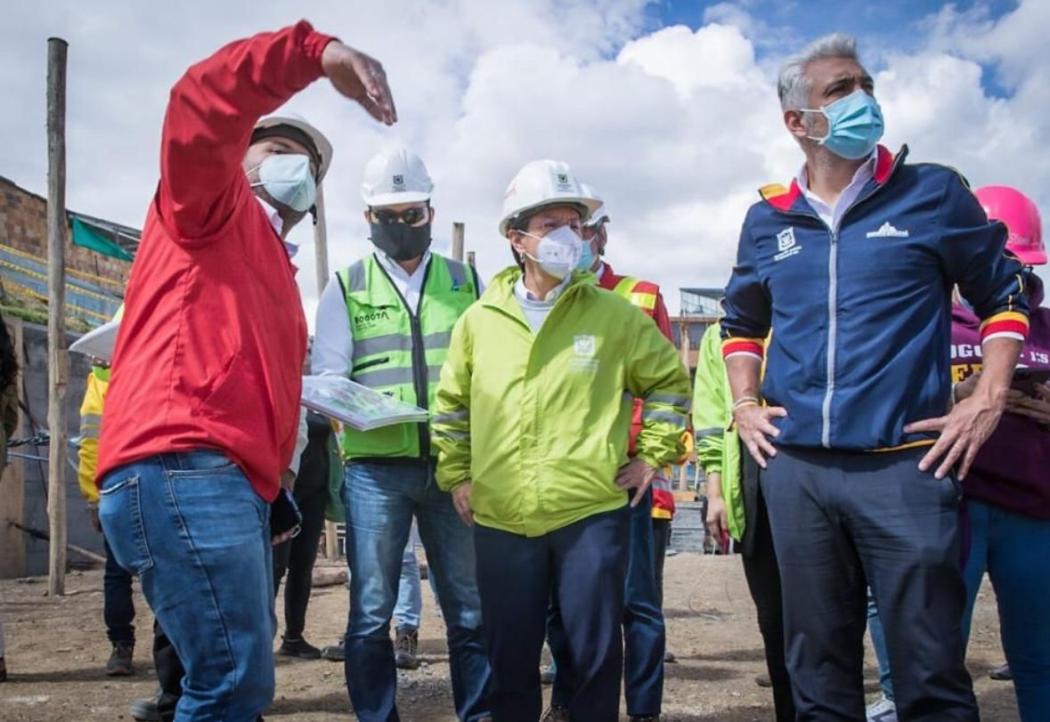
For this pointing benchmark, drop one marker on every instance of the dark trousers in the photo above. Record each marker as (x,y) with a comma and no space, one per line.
(297,557)
(763,581)
(169,674)
(118,609)
(842,521)
(583,566)
(661,541)
(643,626)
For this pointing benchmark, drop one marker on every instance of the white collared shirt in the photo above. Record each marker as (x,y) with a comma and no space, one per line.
(832,215)
(273,215)
(536,309)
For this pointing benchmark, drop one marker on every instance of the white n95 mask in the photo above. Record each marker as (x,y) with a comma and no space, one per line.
(558,251)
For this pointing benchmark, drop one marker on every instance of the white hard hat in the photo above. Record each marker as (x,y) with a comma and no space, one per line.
(396,176)
(599,215)
(320,142)
(543,183)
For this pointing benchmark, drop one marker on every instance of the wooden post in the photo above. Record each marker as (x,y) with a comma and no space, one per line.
(457,242)
(331,544)
(471,260)
(57,356)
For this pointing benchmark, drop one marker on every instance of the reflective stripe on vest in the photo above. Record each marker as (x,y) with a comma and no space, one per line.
(397,352)
(628,288)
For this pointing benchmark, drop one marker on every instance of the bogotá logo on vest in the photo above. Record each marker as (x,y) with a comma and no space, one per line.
(369,318)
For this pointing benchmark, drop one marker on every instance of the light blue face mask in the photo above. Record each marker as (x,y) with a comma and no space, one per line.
(586,257)
(288,179)
(854,125)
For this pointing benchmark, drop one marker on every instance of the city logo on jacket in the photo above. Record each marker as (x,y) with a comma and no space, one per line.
(585,347)
(786,244)
(886,230)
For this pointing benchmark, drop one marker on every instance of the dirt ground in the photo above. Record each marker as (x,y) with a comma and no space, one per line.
(56,650)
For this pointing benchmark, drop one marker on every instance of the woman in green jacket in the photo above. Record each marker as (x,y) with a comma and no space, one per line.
(531,423)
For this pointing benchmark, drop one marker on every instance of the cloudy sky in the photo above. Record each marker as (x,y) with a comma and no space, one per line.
(668,108)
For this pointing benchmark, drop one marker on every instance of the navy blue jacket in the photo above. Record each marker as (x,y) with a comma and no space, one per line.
(862,316)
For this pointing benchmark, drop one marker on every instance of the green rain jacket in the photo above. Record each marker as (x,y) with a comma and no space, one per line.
(539,422)
(718,446)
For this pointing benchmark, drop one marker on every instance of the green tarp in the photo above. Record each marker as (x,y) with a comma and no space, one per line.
(87,237)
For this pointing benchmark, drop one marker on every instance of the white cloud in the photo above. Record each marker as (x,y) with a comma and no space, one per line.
(676,127)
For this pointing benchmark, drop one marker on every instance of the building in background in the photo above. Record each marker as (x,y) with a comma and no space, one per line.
(98,259)
(700,307)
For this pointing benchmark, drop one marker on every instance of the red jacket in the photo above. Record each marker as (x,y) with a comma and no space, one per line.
(211,347)
(647,297)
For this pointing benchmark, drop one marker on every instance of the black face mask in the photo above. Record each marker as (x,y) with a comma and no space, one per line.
(401,242)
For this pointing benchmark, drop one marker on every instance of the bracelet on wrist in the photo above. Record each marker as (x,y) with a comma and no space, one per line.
(746,401)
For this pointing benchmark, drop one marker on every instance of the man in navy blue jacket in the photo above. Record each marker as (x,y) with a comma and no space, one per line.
(853,266)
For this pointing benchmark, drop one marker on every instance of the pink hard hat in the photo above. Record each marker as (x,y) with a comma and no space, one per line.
(1021,217)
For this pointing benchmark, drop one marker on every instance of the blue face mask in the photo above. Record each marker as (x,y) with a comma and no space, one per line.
(288,179)
(586,257)
(854,125)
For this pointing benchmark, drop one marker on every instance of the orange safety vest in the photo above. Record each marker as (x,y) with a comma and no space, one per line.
(644,295)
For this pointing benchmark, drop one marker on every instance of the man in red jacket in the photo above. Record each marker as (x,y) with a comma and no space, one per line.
(203,408)
(643,623)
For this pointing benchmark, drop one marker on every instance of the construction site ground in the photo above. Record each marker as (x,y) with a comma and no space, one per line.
(57,648)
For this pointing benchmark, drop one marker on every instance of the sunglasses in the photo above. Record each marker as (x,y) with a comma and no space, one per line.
(409,216)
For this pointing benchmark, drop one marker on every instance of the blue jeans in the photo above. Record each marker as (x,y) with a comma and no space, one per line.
(878,641)
(198,536)
(409,591)
(1015,550)
(381,500)
(643,626)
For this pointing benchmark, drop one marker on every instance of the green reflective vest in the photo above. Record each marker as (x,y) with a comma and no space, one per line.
(399,352)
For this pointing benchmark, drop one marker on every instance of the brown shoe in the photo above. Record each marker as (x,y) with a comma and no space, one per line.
(120,662)
(763,680)
(405,646)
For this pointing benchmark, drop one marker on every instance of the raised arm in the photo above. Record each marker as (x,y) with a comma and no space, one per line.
(211,112)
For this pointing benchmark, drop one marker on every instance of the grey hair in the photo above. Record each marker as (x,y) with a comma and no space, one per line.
(793,86)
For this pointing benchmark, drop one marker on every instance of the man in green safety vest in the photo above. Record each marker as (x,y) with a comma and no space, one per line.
(385,322)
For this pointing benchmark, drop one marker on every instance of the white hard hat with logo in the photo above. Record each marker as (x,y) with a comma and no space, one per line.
(543,183)
(396,175)
(270,123)
(600,215)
